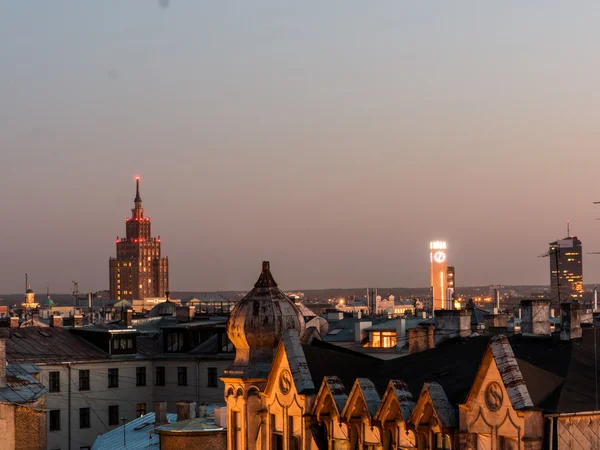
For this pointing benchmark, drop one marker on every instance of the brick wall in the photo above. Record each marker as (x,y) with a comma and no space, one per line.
(214,440)
(30,428)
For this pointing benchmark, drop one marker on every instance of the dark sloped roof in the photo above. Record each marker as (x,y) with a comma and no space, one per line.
(35,344)
(453,364)
(560,376)
(325,359)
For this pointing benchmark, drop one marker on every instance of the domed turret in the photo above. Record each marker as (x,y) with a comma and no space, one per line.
(164,309)
(257,324)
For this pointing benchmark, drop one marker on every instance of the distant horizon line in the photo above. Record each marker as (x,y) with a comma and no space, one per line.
(504,287)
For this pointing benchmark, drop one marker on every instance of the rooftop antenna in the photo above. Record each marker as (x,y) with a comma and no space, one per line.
(26,285)
(568,228)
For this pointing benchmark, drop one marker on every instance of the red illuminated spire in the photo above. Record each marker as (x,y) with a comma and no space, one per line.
(138,198)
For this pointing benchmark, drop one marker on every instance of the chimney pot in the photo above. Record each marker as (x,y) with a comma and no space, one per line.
(56,320)
(13,322)
(535,317)
(186,410)
(570,321)
(160,413)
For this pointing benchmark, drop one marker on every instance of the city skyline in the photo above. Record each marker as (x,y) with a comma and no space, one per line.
(334,142)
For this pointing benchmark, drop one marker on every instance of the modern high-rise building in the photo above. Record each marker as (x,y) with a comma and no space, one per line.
(451,283)
(439,274)
(566,270)
(139,271)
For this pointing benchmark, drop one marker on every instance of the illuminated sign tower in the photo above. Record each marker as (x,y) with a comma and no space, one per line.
(439,274)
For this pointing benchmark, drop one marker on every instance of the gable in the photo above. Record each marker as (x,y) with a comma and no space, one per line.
(364,397)
(433,409)
(499,382)
(289,373)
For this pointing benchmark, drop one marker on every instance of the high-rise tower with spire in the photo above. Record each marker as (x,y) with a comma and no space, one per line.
(139,271)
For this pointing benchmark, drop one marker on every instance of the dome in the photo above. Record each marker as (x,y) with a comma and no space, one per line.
(163,309)
(257,324)
(29,291)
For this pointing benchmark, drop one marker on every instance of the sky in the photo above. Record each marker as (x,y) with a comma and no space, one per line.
(335,139)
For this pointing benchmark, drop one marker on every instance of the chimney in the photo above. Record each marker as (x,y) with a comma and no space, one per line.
(160,413)
(185,313)
(2,363)
(127,318)
(334,315)
(77,321)
(13,322)
(535,317)
(497,298)
(451,323)
(359,333)
(186,410)
(400,333)
(56,320)
(570,321)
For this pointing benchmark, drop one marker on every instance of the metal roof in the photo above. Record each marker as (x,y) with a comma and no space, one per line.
(139,434)
(21,385)
(47,345)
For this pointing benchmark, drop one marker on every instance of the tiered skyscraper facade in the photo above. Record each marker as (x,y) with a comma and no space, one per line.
(139,271)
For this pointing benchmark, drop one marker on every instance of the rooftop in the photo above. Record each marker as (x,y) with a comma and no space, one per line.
(139,434)
(21,384)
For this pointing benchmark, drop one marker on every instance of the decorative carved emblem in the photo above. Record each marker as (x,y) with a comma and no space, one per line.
(285,381)
(494,396)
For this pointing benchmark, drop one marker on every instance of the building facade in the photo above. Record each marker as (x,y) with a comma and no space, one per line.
(139,270)
(439,274)
(566,270)
(95,376)
(289,390)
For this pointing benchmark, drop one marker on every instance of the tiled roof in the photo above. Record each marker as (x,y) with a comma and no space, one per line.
(558,375)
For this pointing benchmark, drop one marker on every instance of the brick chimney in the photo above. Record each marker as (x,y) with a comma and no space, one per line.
(160,413)
(186,410)
(535,317)
(127,318)
(13,322)
(570,321)
(2,363)
(56,320)
(77,321)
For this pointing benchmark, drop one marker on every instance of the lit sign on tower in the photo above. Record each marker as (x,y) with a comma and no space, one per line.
(439,273)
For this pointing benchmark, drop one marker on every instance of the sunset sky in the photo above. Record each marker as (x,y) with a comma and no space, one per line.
(333,138)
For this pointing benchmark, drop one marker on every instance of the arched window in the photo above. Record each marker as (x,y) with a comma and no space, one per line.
(443,442)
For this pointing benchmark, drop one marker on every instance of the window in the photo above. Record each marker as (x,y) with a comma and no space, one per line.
(212,377)
(140,376)
(160,376)
(84,380)
(84,417)
(140,409)
(182,376)
(113,415)
(54,382)
(113,378)
(55,420)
